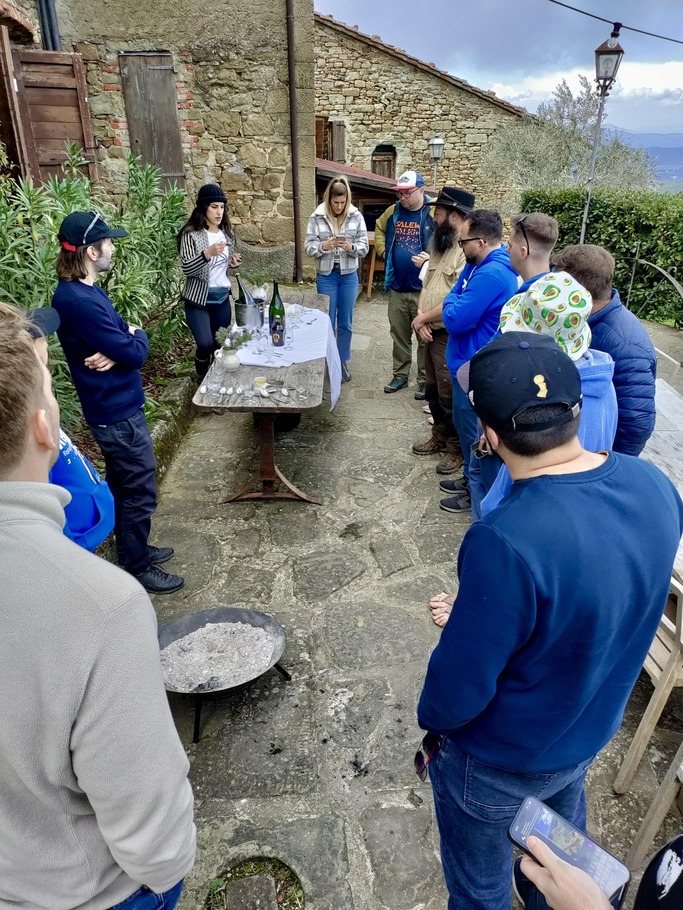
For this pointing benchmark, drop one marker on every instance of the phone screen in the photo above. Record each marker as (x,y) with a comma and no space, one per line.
(570,844)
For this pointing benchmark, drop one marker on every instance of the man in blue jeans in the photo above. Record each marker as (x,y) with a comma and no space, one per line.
(561,591)
(105,355)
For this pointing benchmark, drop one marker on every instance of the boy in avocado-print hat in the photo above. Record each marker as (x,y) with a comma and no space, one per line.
(558,306)
(555,305)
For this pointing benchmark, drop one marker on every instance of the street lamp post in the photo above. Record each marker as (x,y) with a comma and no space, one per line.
(436,146)
(607,59)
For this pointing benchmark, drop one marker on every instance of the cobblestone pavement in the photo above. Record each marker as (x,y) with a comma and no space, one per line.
(317,772)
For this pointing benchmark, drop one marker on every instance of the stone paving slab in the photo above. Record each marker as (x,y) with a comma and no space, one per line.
(317,772)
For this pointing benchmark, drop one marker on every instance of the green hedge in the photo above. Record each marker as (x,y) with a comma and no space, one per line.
(618,220)
(145,279)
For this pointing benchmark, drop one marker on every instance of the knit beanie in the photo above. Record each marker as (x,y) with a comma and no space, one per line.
(209,193)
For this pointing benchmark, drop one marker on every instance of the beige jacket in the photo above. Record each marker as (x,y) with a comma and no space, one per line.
(443,270)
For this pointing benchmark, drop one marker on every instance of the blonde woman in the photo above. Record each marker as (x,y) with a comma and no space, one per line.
(337,239)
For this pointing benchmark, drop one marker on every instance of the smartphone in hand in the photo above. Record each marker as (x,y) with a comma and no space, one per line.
(571,845)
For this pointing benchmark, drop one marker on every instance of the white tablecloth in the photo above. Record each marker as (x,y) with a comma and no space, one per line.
(313,338)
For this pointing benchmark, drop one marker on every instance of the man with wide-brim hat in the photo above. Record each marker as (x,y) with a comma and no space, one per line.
(441,272)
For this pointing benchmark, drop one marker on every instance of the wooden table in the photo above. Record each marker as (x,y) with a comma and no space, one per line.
(269,482)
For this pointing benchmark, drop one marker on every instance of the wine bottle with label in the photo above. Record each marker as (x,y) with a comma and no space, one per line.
(276,315)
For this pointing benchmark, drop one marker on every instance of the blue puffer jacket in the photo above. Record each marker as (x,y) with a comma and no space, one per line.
(618,332)
(386,225)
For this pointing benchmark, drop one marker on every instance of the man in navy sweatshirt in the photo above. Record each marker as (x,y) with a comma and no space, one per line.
(561,591)
(105,355)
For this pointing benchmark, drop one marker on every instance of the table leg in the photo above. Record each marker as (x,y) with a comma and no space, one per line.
(269,473)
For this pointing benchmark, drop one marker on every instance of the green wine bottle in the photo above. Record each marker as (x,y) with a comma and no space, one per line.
(245,306)
(276,315)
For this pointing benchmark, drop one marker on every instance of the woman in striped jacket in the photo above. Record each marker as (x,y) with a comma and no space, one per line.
(337,239)
(207,250)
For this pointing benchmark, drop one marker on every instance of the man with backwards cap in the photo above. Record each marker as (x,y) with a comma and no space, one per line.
(561,591)
(105,355)
(402,235)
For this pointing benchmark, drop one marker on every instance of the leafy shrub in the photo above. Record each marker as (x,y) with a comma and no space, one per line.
(629,224)
(145,279)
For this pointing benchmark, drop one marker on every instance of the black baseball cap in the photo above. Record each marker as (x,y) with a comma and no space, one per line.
(519,370)
(83,228)
(42,322)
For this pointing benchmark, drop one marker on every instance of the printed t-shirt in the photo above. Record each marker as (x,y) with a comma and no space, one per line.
(407,243)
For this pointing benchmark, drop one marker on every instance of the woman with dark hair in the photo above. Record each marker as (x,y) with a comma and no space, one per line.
(206,244)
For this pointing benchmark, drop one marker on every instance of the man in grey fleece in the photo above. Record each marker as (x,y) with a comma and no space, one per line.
(95,803)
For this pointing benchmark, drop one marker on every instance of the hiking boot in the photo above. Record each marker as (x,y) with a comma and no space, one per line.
(398,382)
(420,394)
(430,446)
(453,486)
(450,463)
(346,375)
(156,581)
(157,555)
(459,503)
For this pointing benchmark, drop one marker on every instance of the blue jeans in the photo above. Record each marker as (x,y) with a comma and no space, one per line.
(144,899)
(130,472)
(466,423)
(482,476)
(342,291)
(475,804)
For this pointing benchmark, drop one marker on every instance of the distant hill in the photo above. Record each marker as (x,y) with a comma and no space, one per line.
(665,150)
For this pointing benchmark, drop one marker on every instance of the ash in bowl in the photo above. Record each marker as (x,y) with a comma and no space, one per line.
(220,655)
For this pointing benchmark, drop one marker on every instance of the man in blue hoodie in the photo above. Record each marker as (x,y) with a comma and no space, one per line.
(471,313)
(561,592)
(618,332)
(105,354)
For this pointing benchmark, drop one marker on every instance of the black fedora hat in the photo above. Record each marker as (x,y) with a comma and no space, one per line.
(452,197)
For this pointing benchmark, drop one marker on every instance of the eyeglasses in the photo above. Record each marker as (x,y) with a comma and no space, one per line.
(426,752)
(461,243)
(520,224)
(400,193)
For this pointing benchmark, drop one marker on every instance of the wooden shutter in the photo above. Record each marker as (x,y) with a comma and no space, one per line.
(338,142)
(11,131)
(152,109)
(53,110)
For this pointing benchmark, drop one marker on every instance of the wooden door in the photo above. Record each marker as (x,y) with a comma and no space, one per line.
(149,91)
(11,130)
(51,99)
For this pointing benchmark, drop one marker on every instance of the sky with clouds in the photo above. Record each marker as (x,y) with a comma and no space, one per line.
(523,49)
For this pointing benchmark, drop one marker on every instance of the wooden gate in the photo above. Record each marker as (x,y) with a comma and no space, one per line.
(43,106)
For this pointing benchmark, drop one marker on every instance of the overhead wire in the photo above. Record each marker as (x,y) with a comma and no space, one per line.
(629,28)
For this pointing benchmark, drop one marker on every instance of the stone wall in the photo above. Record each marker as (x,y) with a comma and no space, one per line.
(25,13)
(232,90)
(383,98)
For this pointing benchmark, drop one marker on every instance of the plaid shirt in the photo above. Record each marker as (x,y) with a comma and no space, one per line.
(320,229)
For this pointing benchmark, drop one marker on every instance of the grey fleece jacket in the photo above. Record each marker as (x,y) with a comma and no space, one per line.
(94,796)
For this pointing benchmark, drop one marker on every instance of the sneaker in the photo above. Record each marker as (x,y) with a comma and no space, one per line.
(430,446)
(156,581)
(451,462)
(157,555)
(420,392)
(398,382)
(459,503)
(426,409)
(453,486)
(346,376)
(520,883)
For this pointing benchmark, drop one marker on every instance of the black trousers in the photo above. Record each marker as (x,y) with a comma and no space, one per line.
(204,322)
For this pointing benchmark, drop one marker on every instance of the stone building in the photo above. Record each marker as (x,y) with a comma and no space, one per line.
(377,108)
(201,92)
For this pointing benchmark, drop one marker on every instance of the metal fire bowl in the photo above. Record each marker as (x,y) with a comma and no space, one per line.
(179,628)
